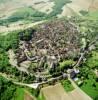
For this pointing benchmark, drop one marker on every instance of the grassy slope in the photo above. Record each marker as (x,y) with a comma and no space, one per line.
(31,14)
(24,14)
(41,96)
(90,85)
(67,85)
(19,94)
(89,89)
(3,1)
(57,9)
(93,15)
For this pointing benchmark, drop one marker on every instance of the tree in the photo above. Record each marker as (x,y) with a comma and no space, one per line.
(92,61)
(66,64)
(26,35)
(96,98)
(84,71)
(9,41)
(7,89)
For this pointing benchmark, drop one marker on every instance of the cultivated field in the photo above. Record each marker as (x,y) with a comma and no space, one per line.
(16,13)
(7,8)
(78,5)
(46,6)
(57,92)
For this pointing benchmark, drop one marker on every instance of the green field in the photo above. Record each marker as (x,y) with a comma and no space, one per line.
(29,14)
(24,14)
(41,97)
(93,15)
(57,9)
(93,92)
(66,64)
(19,95)
(67,85)
(90,86)
(90,80)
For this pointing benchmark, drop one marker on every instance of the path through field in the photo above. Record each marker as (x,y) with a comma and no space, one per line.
(18,27)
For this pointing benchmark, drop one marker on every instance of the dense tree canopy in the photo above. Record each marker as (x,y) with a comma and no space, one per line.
(9,41)
(7,89)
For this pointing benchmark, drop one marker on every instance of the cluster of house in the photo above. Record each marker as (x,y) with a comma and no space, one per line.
(71,72)
(49,45)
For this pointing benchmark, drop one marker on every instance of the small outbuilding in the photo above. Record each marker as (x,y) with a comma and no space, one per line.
(72,74)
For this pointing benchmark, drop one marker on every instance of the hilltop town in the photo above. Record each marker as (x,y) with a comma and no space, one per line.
(49,50)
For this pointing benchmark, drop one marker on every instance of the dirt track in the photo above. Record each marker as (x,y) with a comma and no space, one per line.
(18,27)
(28,96)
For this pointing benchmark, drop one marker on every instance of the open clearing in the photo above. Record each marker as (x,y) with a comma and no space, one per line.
(57,92)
